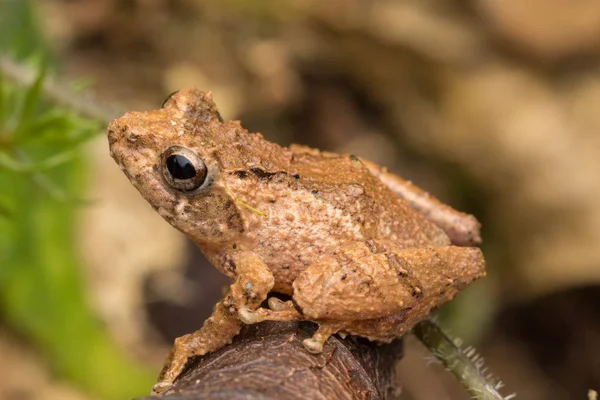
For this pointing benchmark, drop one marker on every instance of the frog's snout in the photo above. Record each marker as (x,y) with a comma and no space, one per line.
(120,137)
(115,132)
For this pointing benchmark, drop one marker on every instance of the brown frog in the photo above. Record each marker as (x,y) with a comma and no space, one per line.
(359,250)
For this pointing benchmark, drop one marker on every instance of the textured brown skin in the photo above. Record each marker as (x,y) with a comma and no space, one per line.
(326,228)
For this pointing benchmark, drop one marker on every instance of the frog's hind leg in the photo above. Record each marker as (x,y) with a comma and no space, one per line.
(377,279)
(461,228)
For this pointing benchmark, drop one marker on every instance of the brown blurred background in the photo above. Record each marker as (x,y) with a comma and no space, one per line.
(491,105)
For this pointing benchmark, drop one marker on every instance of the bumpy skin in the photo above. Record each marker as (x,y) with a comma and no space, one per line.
(360,250)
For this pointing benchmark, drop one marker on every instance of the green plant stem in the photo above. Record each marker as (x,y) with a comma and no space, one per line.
(465,365)
(59,94)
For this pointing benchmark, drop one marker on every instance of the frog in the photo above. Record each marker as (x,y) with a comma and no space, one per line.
(304,234)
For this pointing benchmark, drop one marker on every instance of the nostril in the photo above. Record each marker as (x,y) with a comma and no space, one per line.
(132,137)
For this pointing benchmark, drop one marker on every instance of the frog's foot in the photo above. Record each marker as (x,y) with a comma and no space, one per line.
(217,331)
(160,387)
(326,329)
(249,317)
(276,304)
(174,364)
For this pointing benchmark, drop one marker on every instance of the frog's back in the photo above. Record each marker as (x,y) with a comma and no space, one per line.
(345,184)
(325,201)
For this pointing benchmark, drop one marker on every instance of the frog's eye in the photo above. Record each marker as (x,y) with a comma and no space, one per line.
(182,169)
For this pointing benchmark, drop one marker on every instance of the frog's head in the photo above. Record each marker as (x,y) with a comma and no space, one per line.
(173,157)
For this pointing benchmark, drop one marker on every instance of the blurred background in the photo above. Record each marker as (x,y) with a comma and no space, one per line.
(491,105)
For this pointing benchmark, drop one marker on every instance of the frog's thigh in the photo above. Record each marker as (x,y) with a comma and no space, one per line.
(463,229)
(366,280)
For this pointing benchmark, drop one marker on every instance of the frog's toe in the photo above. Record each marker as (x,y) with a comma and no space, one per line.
(249,317)
(160,387)
(276,304)
(313,345)
(326,329)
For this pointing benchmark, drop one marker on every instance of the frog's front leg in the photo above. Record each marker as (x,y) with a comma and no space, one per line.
(461,228)
(253,283)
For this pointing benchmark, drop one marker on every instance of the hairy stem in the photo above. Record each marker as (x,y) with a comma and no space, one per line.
(59,94)
(465,364)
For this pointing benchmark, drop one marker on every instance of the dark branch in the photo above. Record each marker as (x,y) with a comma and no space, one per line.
(268,361)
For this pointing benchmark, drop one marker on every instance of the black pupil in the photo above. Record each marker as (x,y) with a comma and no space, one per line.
(180,167)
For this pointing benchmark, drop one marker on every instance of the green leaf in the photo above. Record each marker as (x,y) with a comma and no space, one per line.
(56,160)
(5,211)
(42,180)
(9,163)
(32,97)
(42,294)
(20,34)
(2,105)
